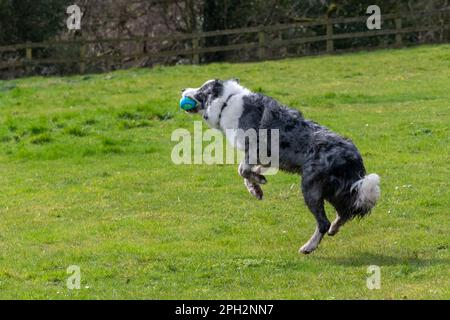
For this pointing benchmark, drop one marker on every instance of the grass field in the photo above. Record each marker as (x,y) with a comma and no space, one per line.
(87,179)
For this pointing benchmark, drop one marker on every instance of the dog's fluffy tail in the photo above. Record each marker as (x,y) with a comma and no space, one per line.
(367,193)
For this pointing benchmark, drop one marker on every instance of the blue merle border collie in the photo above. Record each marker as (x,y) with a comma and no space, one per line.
(332,169)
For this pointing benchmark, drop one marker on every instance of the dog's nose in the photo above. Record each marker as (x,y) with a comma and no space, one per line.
(183,90)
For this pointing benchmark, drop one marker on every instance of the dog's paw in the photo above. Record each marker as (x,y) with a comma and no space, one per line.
(334,228)
(258,178)
(312,243)
(306,249)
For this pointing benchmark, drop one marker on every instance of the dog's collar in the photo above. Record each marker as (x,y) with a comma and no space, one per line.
(225,104)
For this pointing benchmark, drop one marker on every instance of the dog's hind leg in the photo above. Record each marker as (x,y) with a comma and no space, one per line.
(315,202)
(342,215)
(336,225)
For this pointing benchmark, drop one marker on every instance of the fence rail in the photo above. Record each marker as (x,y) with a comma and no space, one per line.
(195,50)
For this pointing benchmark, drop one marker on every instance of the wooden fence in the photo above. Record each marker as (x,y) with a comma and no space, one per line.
(261,45)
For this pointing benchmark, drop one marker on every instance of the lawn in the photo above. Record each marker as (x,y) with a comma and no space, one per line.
(87,180)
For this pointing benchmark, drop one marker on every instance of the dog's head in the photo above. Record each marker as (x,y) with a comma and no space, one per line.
(206,94)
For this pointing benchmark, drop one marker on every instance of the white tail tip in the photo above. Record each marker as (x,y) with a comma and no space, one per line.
(368,191)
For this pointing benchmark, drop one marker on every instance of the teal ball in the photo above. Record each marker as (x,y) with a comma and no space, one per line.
(187,103)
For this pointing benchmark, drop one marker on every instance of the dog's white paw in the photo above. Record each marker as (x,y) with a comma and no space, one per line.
(259,178)
(312,243)
(306,249)
(334,228)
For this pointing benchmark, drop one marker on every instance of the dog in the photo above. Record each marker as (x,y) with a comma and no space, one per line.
(331,166)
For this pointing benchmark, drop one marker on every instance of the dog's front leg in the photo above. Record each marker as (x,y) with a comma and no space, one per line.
(252,179)
(254,189)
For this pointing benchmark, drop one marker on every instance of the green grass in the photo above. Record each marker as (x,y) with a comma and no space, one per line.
(87,180)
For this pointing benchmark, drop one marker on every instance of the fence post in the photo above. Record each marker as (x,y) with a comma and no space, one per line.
(330,43)
(29,57)
(195,47)
(82,58)
(261,44)
(398,35)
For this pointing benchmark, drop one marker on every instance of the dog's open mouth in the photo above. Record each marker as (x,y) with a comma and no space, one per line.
(193,110)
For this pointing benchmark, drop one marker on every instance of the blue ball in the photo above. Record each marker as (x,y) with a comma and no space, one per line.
(187,103)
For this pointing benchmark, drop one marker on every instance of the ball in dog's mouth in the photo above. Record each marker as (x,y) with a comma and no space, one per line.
(189,104)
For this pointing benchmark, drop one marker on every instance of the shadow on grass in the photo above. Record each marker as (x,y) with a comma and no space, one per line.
(366,259)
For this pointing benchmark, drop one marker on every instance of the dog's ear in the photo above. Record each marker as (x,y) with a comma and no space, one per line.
(236,80)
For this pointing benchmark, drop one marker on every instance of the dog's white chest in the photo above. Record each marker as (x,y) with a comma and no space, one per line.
(229,120)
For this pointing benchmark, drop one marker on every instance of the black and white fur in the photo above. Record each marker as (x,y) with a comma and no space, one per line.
(331,166)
